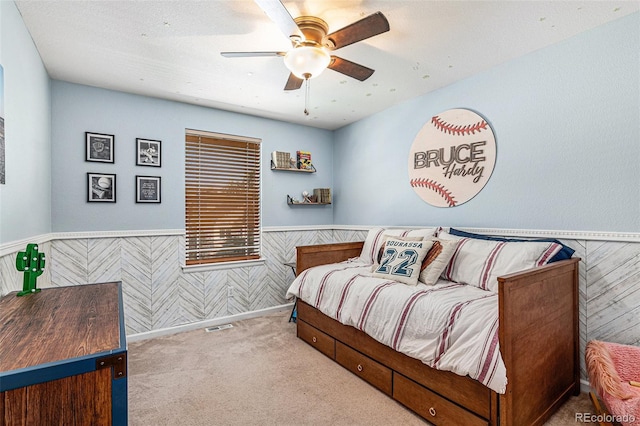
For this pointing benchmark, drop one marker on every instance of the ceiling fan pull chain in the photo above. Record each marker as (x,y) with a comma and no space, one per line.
(306,95)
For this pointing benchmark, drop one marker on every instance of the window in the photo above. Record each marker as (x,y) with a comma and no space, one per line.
(222,198)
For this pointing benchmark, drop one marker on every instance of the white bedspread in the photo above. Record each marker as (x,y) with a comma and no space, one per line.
(447,326)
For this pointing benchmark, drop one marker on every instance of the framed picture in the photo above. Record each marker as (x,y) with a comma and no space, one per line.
(147,152)
(99,147)
(101,188)
(147,189)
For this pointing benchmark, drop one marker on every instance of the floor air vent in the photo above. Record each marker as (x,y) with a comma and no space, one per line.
(218,327)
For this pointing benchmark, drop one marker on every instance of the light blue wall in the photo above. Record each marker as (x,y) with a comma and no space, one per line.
(25,199)
(78,109)
(567,125)
(566,120)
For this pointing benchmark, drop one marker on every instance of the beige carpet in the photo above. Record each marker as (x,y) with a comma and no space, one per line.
(259,373)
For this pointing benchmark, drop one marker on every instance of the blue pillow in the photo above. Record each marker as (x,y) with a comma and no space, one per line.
(565,253)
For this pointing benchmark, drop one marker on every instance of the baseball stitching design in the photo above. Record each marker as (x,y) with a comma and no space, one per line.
(458,130)
(435,186)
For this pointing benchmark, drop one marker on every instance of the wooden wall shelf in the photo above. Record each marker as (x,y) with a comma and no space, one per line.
(291,203)
(273,167)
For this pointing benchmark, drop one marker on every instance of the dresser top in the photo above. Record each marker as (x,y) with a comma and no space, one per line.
(58,324)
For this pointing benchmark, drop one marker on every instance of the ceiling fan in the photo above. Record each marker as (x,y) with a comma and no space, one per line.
(311,44)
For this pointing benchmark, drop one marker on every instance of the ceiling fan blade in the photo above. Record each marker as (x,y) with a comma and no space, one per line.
(366,27)
(279,14)
(351,69)
(250,54)
(293,83)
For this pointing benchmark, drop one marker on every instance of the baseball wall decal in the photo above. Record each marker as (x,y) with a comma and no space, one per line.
(452,158)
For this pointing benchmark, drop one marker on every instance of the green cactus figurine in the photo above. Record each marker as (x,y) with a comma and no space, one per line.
(32,264)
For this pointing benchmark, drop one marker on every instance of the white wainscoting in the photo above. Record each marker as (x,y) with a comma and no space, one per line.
(159,295)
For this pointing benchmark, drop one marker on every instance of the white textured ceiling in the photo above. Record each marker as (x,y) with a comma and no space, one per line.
(171,49)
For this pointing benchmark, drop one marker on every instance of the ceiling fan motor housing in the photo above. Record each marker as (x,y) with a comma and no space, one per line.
(314,30)
(308,58)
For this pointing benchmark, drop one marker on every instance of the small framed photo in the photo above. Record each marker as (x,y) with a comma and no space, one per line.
(147,152)
(147,189)
(99,147)
(101,188)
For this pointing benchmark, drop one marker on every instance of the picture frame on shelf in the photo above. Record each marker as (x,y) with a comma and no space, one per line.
(148,189)
(148,152)
(99,147)
(101,188)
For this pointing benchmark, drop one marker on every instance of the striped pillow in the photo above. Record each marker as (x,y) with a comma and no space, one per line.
(375,239)
(480,262)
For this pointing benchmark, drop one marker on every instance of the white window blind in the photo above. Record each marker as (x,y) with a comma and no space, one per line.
(222,200)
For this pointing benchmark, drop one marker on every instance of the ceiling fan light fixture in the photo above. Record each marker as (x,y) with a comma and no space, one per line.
(307,61)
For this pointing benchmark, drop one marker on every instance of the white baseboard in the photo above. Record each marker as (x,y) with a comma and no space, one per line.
(207,323)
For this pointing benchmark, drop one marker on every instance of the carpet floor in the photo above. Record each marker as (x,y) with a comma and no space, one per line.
(259,373)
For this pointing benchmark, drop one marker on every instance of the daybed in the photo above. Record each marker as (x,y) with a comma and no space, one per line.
(523,370)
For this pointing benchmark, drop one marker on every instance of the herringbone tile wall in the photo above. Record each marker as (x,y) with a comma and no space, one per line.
(158,294)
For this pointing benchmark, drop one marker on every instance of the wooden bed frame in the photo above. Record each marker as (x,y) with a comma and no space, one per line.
(539,343)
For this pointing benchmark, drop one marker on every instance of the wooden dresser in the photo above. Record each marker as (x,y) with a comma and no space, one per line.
(63,357)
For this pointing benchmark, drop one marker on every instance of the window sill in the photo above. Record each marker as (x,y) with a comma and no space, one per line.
(223,265)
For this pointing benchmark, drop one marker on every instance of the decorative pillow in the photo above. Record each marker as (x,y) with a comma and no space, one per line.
(436,260)
(385,237)
(565,253)
(480,262)
(375,239)
(402,259)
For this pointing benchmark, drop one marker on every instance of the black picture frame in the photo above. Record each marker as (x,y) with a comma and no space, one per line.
(148,152)
(101,187)
(148,189)
(99,147)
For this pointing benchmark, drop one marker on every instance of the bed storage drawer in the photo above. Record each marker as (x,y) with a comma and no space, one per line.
(364,367)
(431,406)
(316,338)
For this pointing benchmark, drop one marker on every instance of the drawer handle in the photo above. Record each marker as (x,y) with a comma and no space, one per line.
(432,411)
(359,367)
(314,339)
